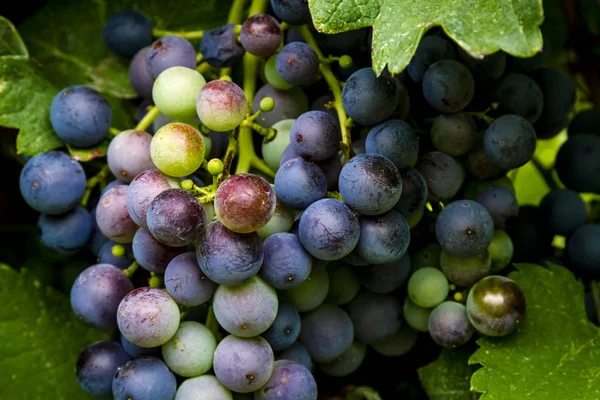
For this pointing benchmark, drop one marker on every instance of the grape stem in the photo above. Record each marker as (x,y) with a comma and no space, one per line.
(114,131)
(335,87)
(151,115)
(546,173)
(199,58)
(92,182)
(131,269)
(335,195)
(212,324)
(183,34)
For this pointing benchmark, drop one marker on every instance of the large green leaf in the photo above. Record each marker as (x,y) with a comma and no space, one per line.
(555,354)
(25,97)
(448,377)
(479,26)
(41,340)
(11,43)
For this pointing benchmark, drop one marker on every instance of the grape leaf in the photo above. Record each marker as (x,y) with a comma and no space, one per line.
(11,43)
(66,37)
(448,377)
(41,340)
(25,98)
(555,354)
(479,27)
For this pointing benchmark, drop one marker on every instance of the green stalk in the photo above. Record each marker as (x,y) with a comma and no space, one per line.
(187,35)
(92,182)
(151,115)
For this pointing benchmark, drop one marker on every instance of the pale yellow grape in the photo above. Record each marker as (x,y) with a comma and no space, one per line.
(177,149)
(175,92)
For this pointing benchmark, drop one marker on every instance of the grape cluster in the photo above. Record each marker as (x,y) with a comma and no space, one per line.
(377,211)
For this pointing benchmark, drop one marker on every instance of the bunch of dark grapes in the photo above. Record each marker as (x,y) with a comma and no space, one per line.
(376,213)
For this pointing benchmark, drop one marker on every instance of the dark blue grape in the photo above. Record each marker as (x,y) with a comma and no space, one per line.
(442,173)
(135,351)
(227,257)
(510,141)
(219,46)
(449,325)
(563,210)
(175,218)
(286,264)
(490,67)
(519,94)
(261,35)
(296,352)
(297,63)
(383,238)
(125,32)
(583,251)
(578,163)
(559,99)
(299,183)
(414,193)
(448,86)
(327,333)
(454,134)
(97,365)
(587,121)
(501,203)
(375,316)
(285,329)
(315,135)
(464,228)
(331,167)
(288,104)
(167,52)
(66,233)
(80,116)
(145,378)
(96,294)
(328,229)
(186,283)
(290,380)
(370,184)
(151,254)
(369,99)
(430,50)
(480,165)
(139,77)
(385,278)
(288,154)
(395,140)
(294,12)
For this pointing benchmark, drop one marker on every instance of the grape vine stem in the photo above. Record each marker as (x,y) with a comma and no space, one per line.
(151,115)
(336,89)
(187,35)
(92,182)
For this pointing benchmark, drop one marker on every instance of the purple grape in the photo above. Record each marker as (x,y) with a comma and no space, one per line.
(297,63)
(290,380)
(135,351)
(383,238)
(139,77)
(243,364)
(299,183)
(145,378)
(167,52)
(96,294)
(331,167)
(128,154)
(142,190)
(449,325)
(175,218)
(501,203)
(315,135)
(414,193)
(327,333)
(127,31)
(220,47)
(97,365)
(296,352)
(151,254)
(288,104)
(186,283)
(148,317)
(286,263)
(261,35)
(226,257)
(375,316)
(112,216)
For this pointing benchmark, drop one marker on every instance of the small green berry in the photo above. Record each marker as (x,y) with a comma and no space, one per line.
(187,184)
(155,282)
(118,250)
(215,166)
(345,61)
(267,104)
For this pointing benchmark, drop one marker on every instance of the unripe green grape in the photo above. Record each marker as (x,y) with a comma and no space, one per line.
(465,271)
(428,256)
(215,166)
(311,293)
(428,287)
(175,92)
(416,317)
(273,77)
(177,149)
(190,351)
(273,150)
(501,251)
(281,221)
(221,105)
(415,218)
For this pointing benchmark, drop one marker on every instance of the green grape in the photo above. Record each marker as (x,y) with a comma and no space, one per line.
(267,104)
(465,271)
(273,150)
(428,287)
(273,77)
(343,284)
(175,92)
(221,105)
(215,166)
(428,256)
(281,221)
(190,352)
(416,317)
(177,149)
(501,251)
(311,293)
